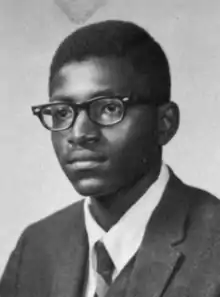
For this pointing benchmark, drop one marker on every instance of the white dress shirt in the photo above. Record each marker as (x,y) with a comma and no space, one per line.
(121,244)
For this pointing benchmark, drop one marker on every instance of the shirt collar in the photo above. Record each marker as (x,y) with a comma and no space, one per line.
(121,244)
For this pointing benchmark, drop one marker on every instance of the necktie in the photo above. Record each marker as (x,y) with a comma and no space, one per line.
(104,270)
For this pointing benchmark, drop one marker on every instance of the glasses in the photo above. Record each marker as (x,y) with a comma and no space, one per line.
(104,111)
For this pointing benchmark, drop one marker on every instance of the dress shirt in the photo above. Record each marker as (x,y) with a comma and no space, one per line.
(121,244)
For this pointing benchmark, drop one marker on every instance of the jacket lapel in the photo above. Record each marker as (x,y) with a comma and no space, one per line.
(71,259)
(158,256)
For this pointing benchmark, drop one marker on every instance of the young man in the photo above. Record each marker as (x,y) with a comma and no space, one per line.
(110,114)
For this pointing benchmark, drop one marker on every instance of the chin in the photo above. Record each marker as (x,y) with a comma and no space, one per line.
(89,187)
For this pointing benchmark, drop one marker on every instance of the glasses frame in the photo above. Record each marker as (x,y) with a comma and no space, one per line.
(126,100)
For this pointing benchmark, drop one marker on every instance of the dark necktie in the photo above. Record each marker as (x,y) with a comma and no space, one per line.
(104,270)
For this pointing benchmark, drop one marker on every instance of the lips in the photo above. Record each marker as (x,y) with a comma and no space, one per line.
(82,160)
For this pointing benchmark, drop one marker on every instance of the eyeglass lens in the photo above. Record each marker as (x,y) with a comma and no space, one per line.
(58,116)
(105,111)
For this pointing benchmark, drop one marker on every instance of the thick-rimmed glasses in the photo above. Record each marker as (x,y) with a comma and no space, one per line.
(104,111)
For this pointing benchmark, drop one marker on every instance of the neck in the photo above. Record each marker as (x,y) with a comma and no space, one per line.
(108,209)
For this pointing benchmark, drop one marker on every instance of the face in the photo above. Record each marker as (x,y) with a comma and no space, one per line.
(101,160)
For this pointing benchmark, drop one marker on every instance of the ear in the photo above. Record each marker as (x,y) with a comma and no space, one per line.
(168,122)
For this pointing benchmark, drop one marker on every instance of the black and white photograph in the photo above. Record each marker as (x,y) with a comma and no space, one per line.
(110,148)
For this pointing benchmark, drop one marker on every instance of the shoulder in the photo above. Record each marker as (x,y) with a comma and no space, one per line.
(201,201)
(57,224)
(203,206)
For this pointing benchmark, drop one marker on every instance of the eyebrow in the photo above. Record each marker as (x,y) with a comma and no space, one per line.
(101,93)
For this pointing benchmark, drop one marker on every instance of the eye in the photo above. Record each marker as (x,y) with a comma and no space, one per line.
(106,111)
(111,108)
(61,112)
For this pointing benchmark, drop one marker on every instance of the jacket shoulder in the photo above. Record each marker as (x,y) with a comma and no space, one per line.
(202,201)
(203,206)
(55,225)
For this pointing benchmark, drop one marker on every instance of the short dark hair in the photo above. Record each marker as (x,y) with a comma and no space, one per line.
(118,39)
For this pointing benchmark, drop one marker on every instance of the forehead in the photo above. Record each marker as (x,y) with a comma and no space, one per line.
(93,77)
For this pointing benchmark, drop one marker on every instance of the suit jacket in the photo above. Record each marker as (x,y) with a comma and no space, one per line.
(179,255)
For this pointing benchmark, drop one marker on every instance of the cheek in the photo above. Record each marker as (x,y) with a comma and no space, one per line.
(133,136)
(58,145)
(131,149)
(129,160)
(132,143)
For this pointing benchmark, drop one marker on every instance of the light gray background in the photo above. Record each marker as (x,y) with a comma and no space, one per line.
(32,184)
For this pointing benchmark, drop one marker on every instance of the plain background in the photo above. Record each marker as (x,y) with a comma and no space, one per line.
(31,183)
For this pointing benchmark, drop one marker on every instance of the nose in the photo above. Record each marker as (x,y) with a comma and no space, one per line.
(83,131)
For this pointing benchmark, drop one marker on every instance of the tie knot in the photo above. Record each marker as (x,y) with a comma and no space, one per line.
(105,265)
